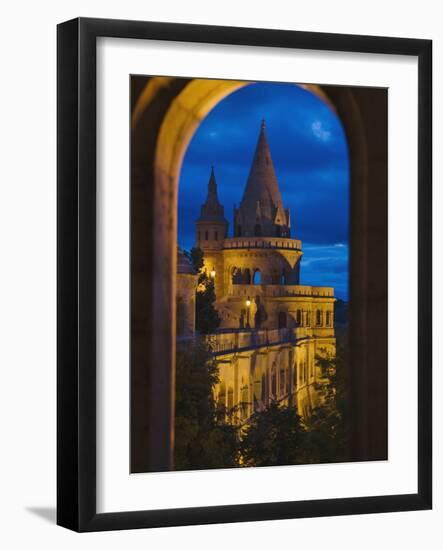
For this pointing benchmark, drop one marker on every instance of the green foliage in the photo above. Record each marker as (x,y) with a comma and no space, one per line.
(277,436)
(196,257)
(327,427)
(274,437)
(202,439)
(207,320)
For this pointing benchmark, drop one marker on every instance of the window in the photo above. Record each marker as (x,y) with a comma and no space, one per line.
(256,278)
(236,276)
(319,317)
(328,318)
(298,318)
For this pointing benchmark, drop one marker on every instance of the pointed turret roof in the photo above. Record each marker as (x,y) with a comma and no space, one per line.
(262,203)
(212,210)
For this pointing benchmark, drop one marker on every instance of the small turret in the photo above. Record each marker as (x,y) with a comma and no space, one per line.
(211,226)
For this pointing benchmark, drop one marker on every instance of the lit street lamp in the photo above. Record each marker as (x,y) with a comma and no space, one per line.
(212,273)
(248,307)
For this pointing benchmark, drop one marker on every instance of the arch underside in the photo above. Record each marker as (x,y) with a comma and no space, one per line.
(164,118)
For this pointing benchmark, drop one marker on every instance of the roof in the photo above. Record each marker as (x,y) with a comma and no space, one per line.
(212,210)
(262,203)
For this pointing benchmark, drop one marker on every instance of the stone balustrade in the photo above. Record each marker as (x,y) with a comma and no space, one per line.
(240,339)
(262,242)
(270,291)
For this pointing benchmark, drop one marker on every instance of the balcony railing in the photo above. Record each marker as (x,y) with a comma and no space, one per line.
(281,290)
(240,339)
(262,242)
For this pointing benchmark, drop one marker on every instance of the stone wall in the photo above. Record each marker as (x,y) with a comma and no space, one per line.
(286,372)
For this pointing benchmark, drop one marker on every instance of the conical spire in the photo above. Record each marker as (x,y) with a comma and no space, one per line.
(261,208)
(212,210)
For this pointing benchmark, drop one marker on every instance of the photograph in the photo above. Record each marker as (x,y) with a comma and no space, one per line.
(261,277)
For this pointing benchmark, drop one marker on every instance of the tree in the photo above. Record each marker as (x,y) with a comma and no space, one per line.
(197,258)
(273,437)
(207,319)
(280,436)
(202,439)
(328,425)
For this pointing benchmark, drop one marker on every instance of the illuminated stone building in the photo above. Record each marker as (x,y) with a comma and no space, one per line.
(272,327)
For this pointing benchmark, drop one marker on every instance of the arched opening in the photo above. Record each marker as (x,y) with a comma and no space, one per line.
(180,106)
(328,318)
(256,278)
(236,276)
(247,277)
(282,320)
(298,318)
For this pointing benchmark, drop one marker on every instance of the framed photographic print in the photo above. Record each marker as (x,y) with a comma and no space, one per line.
(244,274)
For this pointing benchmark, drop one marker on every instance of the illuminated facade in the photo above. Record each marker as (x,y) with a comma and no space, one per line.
(272,327)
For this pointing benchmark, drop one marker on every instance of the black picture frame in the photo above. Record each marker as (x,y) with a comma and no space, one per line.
(76,274)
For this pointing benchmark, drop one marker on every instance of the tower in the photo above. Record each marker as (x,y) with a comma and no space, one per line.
(261,212)
(211,231)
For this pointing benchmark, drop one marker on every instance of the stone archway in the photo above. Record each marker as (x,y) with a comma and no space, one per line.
(165,114)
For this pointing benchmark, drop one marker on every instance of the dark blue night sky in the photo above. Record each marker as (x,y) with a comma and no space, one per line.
(309,150)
